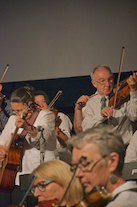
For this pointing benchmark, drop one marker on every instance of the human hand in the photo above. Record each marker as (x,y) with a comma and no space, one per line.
(132,82)
(107,111)
(0,87)
(2,152)
(81,102)
(21,123)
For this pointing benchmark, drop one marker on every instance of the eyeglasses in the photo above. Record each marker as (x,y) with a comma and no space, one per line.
(17,111)
(103,81)
(84,166)
(41,186)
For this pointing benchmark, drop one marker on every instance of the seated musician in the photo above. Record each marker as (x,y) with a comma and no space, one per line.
(28,127)
(52,180)
(97,160)
(97,109)
(63,126)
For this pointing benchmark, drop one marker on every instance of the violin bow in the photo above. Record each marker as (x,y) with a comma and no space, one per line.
(4,72)
(119,73)
(55,98)
(59,205)
(27,190)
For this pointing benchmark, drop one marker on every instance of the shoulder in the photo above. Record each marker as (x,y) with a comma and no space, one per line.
(64,117)
(47,114)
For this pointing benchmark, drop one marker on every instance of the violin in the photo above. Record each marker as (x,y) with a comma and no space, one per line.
(123,92)
(55,111)
(99,197)
(49,203)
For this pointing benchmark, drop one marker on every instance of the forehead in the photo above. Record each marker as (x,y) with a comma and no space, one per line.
(39,97)
(102,72)
(88,150)
(19,105)
(37,180)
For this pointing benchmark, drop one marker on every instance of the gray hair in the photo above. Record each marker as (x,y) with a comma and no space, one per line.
(107,140)
(104,66)
(24,95)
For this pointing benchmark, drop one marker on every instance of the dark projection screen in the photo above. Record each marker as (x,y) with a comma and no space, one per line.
(44,39)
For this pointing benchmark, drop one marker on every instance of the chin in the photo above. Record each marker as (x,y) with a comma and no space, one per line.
(88,188)
(41,199)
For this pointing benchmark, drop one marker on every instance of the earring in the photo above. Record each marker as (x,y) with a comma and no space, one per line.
(112,179)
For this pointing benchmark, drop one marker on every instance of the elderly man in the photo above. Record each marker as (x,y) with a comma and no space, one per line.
(96,108)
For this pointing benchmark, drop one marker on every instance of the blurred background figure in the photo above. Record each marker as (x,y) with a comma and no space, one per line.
(63,126)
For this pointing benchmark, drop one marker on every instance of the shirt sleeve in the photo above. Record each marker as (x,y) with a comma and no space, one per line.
(131,152)
(45,121)
(66,125)
(92,115)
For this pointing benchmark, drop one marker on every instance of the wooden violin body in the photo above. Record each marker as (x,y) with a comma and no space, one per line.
(9,167)
(99,197)
(122,93)
(50,203)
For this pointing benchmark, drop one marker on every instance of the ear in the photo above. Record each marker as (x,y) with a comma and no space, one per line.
(113,161)
(94,83)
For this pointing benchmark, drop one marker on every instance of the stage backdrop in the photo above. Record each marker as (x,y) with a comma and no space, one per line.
(49,39)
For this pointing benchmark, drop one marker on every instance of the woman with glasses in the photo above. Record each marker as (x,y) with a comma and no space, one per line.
(97,110)
(37,125)
(98,159)
(52,180)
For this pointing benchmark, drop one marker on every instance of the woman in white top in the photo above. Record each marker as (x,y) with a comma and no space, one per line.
(42,126)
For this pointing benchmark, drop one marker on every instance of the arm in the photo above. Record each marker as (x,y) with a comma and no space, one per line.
(22,123)
(2,152)
(46,121)
(131,105)
(92,112)
(63,127)
(78,117)
(131,152)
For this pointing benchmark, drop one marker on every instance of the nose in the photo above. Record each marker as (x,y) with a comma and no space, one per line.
(107,83)
(42,105)
(36,192)
(18,113)
(78,173)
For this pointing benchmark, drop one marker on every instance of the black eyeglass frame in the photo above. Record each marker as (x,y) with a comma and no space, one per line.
(74,167)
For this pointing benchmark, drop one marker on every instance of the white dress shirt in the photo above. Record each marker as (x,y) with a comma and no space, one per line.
(131,152)
(125,197)
(121,117)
